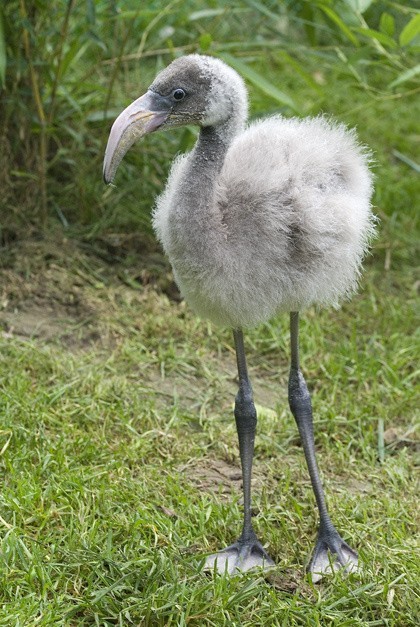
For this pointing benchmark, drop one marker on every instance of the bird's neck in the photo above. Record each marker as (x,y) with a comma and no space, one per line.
(194,199)
(191,225)
(205,163)
(214,141)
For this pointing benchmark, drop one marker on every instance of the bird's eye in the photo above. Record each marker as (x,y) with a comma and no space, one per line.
(178,94)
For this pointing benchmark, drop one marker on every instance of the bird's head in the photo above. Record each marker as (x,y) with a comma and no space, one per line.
(194,89)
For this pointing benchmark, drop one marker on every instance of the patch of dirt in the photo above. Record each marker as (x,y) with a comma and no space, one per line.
(359,486)
(35,321)
(290,581)
(396,438)
(214,475)
(221,477)
(55,288)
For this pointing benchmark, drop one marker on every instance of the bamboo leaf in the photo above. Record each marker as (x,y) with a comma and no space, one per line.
(359,6)
(261,83)
(90,12)
(405,76)
(261,8)
(208,13)
(307,14)
(387,24)
(410,30)
(300,70)
(383,38)
(73,54)
(204,13)
(101,115)
(3,58)
(205,41)
(339,22)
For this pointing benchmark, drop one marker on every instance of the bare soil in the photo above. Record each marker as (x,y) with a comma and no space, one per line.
(50,288)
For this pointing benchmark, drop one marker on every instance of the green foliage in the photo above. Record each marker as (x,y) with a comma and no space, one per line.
(67,68)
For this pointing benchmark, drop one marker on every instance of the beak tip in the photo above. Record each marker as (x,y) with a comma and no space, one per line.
(107,177)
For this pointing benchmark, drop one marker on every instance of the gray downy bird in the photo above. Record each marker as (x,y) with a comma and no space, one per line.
(257,219)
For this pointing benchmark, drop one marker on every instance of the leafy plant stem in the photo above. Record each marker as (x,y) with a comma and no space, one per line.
(151,25)
(41,115)
(117,65)
(59,56)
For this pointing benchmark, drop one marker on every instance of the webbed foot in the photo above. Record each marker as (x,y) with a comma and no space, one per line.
(331,554)
(239,557)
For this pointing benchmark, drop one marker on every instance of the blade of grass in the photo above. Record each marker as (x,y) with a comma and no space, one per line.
(381,441)
(406,160)
(341,25)
(405,76)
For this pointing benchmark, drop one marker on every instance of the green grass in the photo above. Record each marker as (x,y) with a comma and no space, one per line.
(119,456)
(118,453)
(106,509)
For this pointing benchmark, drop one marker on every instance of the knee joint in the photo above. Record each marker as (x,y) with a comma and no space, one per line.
(299,397)
(245,412)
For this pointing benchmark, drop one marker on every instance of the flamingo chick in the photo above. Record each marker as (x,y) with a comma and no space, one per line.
(256,220)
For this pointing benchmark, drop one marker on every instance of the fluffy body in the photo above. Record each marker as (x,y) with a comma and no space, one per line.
(275,219)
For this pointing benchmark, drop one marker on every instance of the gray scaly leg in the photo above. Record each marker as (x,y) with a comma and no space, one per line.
(247,552)
(331,552)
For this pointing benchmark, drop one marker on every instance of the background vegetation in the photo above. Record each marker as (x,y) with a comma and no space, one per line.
(117,448)
(68,67)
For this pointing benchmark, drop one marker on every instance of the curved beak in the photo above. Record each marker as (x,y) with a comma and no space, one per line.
(144,115)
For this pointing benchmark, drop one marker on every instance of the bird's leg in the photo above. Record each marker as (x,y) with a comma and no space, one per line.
(247,552)
(331,552)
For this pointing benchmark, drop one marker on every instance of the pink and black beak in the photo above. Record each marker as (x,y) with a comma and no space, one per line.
(144,115)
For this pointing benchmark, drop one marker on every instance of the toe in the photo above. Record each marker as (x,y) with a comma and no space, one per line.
(239,558)
(254,557)
(225,562)
(327,560)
